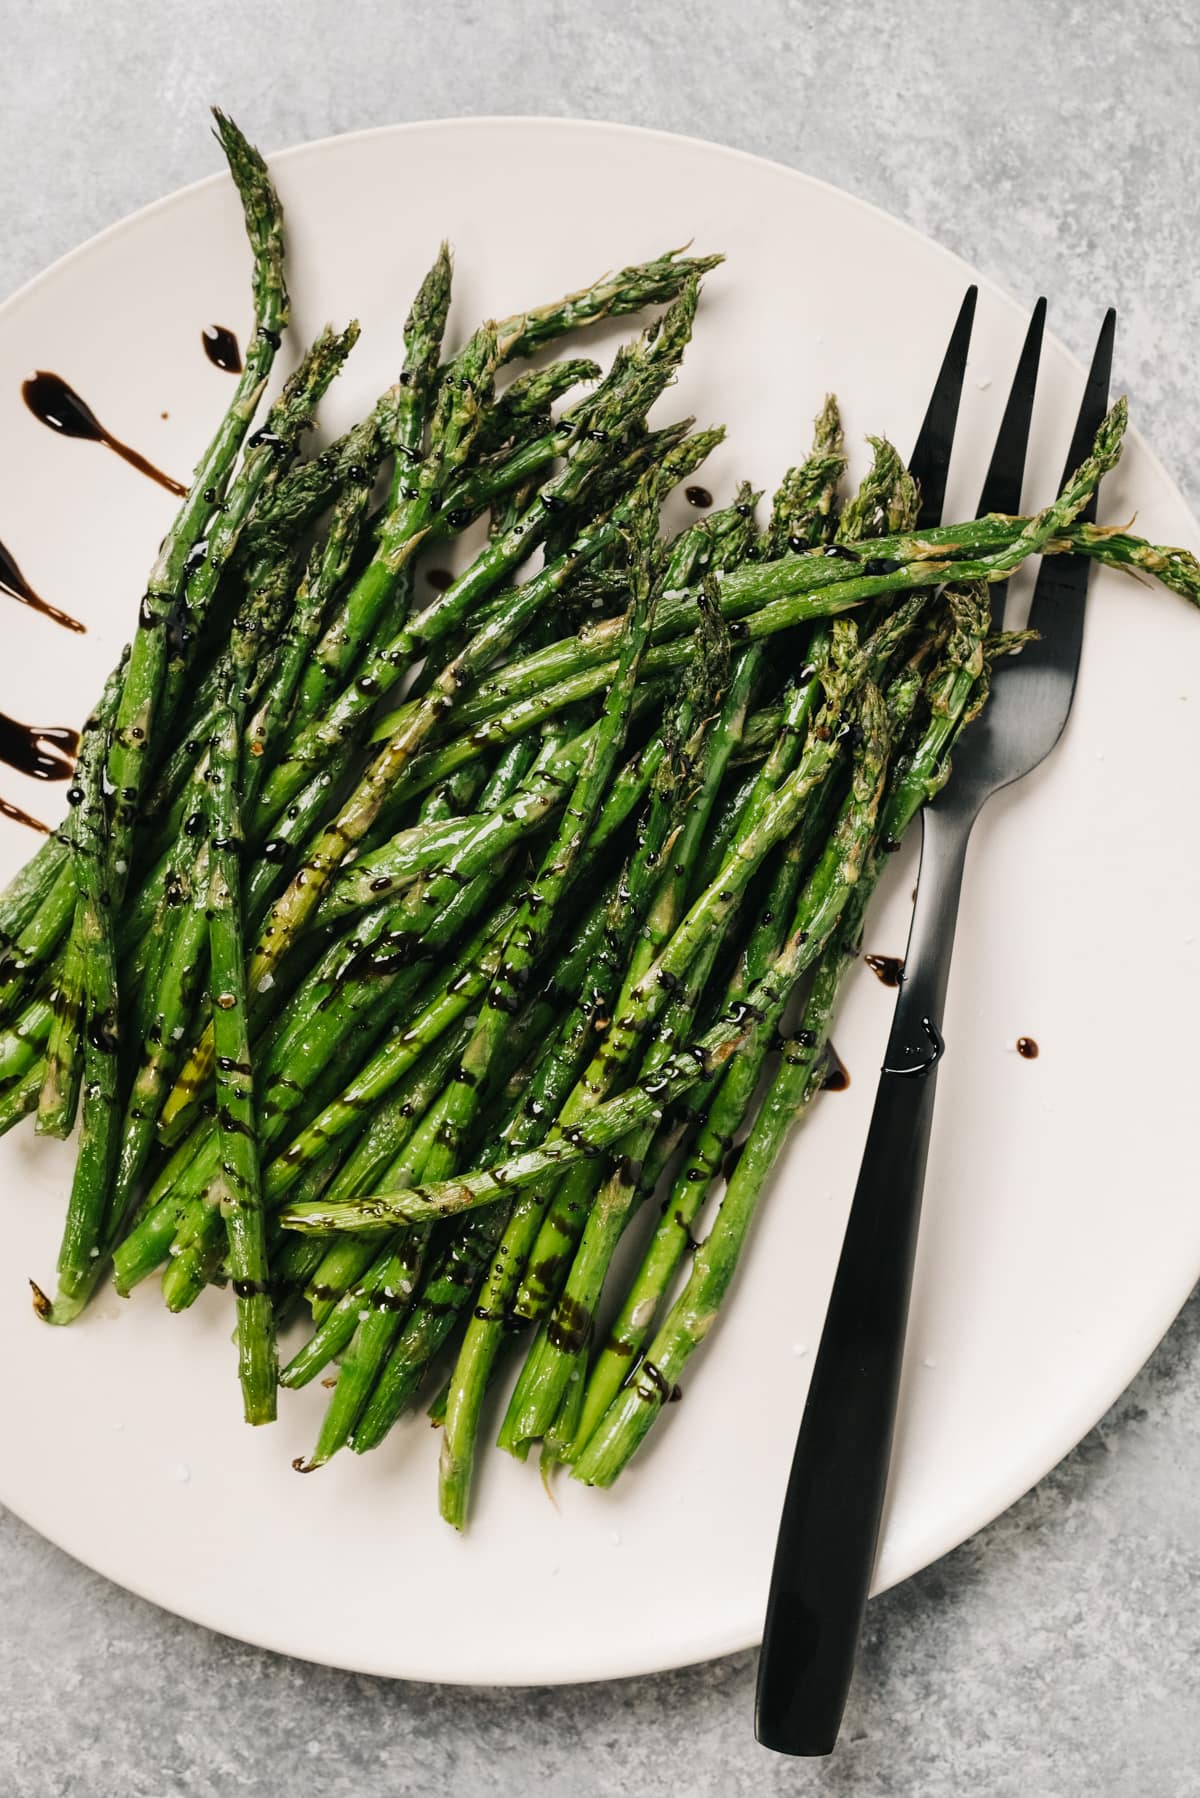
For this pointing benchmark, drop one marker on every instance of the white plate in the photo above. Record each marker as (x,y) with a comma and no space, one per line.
(1061,1231)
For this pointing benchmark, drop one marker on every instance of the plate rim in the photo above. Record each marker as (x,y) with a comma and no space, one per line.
(1034,1467)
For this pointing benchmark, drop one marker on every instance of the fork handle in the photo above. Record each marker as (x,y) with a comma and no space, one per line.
(831,1514)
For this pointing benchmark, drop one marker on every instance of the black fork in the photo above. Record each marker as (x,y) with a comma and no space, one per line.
(831,1515)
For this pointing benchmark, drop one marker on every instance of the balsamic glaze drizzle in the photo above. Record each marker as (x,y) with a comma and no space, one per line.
(57,405)
(837,1077)
(46,752)
(888,968)
(221,348)
(13,582)
(7,810)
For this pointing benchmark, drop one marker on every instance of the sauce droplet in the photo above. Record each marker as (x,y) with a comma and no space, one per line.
(221,348)
(47,752)
(888,968)
(439,579)
(698,496)
(13,582)
(57,405)
(837,1074)
(1027,1047)
(19,817)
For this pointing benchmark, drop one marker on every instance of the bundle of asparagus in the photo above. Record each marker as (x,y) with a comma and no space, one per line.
(393,954)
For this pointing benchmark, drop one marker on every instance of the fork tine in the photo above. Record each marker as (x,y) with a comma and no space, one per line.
(1094,404)
(1006,471)
(929,463)
(1002,486)
(1057,608)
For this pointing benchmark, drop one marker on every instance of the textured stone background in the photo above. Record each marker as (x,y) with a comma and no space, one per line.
(1055,146)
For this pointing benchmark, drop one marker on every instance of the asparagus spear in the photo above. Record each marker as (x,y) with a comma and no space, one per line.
(62,1040)
(803,512)
(172,571)
(327,568)
(327,735)
(502,1246)
(405,413)
(637,378)
(561,1227)
(646,998)
(612,296)
(345,1260)
(194,585)
(101,1040)
(522,950)
(238,1187)
(515,1232)
(610,1438)
(25,1043)
(344,990)
(643,1102)
(519,954)
(28,888)
(528,400)
(768,597)
(721,1106)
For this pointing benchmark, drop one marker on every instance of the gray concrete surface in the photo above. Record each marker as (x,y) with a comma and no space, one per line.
(1055,145)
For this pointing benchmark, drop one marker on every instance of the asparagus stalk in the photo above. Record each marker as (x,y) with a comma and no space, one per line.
(517,953)
(523,409)
(768,597)
(610,1436)
(804,509)
(173,568)
(25,1043)
(631,289)
(101,1040)
(405,412)
(643,1102)
(524,946)
(195,583)
(503,1248)
(561,1227)
(347,989)
(62,1040)
(328,735)
(721,1106)
(637,378)
(345,1260)
(238,1187)
(398,1269)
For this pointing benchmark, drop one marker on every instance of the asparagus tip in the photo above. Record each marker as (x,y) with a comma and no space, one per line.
(240,153)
